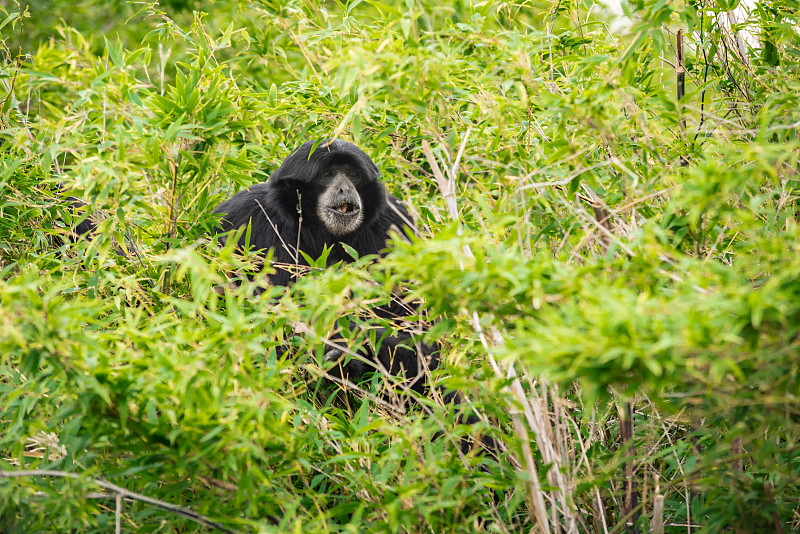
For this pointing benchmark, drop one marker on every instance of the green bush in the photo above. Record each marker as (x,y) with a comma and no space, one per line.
(616,287)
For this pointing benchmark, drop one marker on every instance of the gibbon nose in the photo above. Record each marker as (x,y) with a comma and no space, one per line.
(343,186)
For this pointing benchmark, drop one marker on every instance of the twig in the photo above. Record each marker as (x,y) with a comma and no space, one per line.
(122,493)
(118,515)
(737,34)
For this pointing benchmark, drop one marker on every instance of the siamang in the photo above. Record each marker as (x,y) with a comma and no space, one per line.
(327,194)
(87,222)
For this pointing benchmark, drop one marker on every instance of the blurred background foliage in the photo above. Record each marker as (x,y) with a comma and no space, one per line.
(619,297)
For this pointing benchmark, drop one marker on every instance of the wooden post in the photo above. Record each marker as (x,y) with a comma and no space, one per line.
(680,72)
(630,504)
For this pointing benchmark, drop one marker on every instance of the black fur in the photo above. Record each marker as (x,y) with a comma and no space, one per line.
(274,210)
(87,226)
(77,208)
(281,216)
(398,355)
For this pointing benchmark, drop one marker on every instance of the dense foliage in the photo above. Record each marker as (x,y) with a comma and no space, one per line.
(615,274)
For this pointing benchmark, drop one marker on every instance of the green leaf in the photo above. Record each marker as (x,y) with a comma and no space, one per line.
(273,96)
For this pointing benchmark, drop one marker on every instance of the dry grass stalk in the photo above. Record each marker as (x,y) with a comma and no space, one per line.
(657,523)
(630,504)
(535,410)
(737,450)
(538,419)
